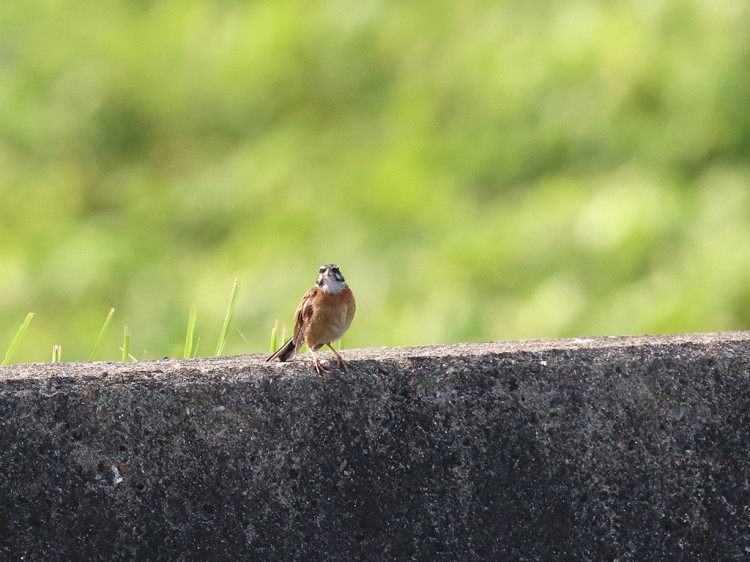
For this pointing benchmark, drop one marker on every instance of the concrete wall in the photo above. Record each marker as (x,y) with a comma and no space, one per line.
(596,449)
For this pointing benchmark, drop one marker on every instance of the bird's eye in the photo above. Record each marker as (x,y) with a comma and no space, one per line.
(322,269)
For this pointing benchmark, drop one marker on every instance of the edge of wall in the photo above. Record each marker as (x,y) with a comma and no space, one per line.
(590,448)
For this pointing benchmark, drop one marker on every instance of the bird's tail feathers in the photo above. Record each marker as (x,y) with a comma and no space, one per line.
(285,352)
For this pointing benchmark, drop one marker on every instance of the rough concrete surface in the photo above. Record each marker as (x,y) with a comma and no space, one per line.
(590,449)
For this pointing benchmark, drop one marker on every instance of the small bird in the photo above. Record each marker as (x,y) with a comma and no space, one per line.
(325,313)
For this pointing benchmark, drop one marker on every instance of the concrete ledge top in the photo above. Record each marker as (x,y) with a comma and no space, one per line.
(255,365)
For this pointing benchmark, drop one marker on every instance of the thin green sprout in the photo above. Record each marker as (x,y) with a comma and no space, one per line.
(17,339)
(273,336)
(125,343)
(228,318)
(101,333)
(190,351)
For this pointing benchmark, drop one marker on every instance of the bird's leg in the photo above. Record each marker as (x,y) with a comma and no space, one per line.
(319,367)
(339,359)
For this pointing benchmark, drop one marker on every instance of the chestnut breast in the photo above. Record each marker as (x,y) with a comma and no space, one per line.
(331,316)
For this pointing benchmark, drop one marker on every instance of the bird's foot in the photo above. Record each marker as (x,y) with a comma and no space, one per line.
(340,360)
(319,367)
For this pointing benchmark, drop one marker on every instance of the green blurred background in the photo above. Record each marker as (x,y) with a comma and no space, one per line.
(480,170)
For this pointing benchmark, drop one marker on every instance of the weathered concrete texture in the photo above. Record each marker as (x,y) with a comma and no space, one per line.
(602,449)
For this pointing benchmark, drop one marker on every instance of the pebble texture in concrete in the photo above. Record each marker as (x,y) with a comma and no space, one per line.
(589,449)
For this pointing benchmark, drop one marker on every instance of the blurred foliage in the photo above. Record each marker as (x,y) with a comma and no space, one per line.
(479,169)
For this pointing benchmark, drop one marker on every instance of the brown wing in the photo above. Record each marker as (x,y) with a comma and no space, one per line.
(302,316)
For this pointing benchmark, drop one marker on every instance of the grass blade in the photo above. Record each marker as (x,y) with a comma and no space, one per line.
(273,336)
(17,339)
(56,353)
(189,351)
(228,318)
(243,336)
(125,343)
(101,333)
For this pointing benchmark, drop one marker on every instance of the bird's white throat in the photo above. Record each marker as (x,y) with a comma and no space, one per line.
(333,286)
